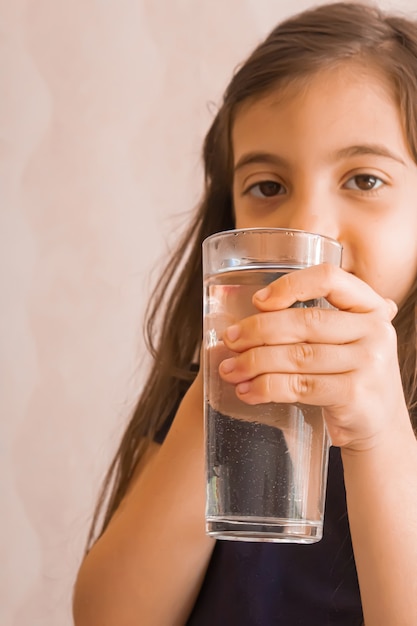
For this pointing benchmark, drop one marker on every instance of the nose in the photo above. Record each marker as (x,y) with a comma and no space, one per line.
(320,213)
(314,212)
(314,222)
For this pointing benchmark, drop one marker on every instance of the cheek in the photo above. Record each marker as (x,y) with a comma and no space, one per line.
(398,269)
(380,256)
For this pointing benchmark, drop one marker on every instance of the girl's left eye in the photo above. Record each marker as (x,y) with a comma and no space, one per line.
(364,182)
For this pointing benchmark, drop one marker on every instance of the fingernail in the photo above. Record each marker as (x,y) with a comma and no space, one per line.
(228,365)
(243,388)
(263,294)
(233,332)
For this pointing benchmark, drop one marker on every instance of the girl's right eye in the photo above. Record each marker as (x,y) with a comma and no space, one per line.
(266,189)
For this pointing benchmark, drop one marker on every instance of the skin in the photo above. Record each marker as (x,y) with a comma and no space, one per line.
(344,170)
(345,360)
(318,169)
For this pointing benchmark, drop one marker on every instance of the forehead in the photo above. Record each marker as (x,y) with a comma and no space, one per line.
(343,104)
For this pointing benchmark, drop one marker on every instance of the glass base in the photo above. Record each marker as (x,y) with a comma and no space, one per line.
(275,530)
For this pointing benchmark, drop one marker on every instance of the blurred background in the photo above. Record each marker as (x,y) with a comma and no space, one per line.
(103,108)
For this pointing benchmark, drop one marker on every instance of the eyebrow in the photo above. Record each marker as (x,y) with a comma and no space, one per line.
(368,148)
(268,158)
(260,158)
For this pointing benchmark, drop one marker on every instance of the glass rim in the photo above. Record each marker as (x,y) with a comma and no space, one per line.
(303,233)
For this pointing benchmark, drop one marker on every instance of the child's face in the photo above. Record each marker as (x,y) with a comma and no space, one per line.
(332,158)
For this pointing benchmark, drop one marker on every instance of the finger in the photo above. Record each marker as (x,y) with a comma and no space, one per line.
(343,290)
(311,325)
(304,358)
(317,390)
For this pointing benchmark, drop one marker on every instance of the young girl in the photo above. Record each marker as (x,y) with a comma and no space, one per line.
(317,131)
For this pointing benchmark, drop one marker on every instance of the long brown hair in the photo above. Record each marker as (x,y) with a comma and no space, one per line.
(297,48)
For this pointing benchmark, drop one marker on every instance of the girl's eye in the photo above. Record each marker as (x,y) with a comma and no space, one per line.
(266,189)
(364,182)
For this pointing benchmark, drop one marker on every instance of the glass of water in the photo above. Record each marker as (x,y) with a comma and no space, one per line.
(266,464)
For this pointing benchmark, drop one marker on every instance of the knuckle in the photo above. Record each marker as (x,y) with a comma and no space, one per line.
(300,354)
(368,355)
(312,316)
(379,347)
(391,309)
(375,357)
(300,386)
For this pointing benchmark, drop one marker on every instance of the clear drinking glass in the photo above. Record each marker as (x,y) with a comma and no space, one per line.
(266,465)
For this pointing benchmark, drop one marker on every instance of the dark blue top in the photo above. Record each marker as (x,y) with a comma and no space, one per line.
(263,584)
(268,584)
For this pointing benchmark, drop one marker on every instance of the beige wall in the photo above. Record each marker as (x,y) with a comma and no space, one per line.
(103,106)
